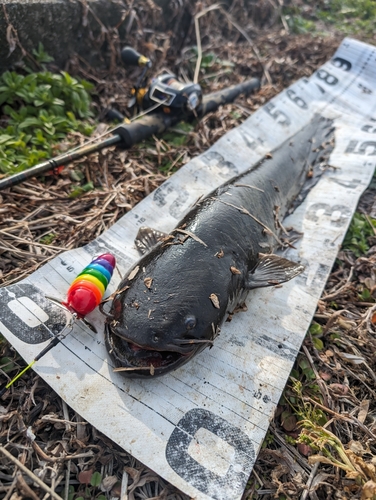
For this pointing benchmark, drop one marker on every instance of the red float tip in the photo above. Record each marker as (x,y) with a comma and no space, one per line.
(109,257)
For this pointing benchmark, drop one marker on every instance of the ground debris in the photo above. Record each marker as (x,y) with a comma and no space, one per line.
(40,218)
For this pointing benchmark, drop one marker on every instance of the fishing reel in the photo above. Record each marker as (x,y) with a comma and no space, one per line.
(174,96)
(164,92)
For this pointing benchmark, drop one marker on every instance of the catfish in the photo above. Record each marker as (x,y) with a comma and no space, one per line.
(173,302)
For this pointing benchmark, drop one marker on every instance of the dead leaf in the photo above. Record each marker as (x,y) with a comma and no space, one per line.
(220,254)
(339,389)
(288,421)
(11,39)
(325,375)
(369,490)
(357,448)
(84,476)
(304,449)
(109,482)
(133,273)
(363,412)
(148,282)
(214,300)
(234,270)
(352,358)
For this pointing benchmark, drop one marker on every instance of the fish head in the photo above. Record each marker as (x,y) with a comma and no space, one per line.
(157,323)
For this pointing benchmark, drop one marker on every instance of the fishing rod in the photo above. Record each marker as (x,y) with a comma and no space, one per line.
(167,102)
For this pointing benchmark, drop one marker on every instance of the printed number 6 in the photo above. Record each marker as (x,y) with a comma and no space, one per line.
(296,99)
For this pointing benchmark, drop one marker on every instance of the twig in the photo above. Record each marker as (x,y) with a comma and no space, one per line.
(370,223)
(25,488)
(301,461)
(29,473)
(310,481)
(245,211)
(352,420)
(124,486)
(249,186)
(198,38)
(11,488)
(253,46)
(353,374)
(47,418)
(33,243)
(191,235)
(66,420)
(258,477)
(320,382)
(67,479)
(344,287)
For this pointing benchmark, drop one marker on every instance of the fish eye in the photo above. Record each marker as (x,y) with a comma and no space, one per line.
(190,322)
(155,338)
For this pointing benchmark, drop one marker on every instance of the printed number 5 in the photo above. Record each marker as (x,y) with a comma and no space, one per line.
(278,115)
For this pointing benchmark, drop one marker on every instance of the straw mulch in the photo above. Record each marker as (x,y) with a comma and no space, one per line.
(39,219)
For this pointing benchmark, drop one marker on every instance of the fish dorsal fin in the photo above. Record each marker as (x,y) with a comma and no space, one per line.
(272,270)
(147,238)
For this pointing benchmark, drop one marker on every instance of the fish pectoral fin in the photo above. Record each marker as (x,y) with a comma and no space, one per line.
(272,270)
(147,238)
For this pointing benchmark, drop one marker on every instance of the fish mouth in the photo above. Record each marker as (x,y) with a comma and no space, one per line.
(136,361)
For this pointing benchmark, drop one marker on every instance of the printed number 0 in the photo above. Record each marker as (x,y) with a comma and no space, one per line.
(217,486)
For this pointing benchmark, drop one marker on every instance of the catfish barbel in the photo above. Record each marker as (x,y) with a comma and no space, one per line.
(174,300)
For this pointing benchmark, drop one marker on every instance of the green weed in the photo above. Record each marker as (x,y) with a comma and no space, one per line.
(38,110)
(347,16)
(47,239)
(316,332)
(299,25)
(88,489)
(210,64)
(356,239)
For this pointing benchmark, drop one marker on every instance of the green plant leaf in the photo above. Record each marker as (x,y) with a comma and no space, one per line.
(318,343)
(96,479)
(80,190)
(6,364)
(315,329)
(29,122)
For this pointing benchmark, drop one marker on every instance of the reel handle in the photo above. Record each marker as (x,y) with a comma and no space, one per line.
(131,57)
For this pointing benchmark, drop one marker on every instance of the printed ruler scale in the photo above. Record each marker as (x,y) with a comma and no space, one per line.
(202,426)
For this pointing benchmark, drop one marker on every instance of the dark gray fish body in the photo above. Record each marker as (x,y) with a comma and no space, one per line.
(172,304)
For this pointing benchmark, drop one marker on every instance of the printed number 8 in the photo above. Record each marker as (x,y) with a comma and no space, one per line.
(327,77)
